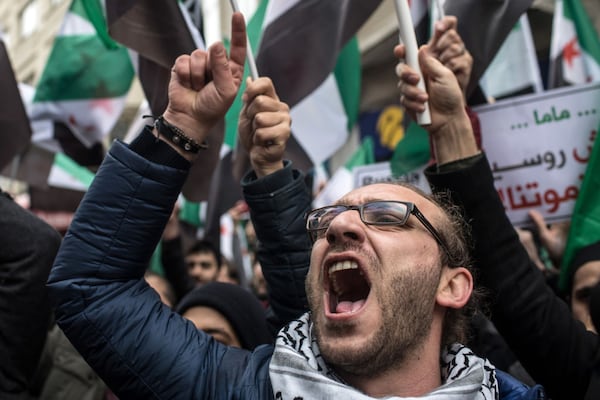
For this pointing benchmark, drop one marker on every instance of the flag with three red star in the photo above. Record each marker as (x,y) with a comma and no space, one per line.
(575,46)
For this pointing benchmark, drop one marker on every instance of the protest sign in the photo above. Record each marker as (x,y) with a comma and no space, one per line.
(382,173)
(538,147)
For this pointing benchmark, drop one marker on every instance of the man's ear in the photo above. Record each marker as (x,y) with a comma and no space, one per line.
(455,288)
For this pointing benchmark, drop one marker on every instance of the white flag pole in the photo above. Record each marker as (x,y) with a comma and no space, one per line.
(407,36)
(249,55)
(440,9)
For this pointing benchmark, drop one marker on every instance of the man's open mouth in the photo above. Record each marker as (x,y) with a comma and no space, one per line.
(348,287)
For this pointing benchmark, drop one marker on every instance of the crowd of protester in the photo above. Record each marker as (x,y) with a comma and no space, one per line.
(415,305)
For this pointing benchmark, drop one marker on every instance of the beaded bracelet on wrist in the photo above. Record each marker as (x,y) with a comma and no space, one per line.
(176,136)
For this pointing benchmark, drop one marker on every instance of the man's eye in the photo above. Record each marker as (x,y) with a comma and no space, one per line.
(385,218)
(327,217)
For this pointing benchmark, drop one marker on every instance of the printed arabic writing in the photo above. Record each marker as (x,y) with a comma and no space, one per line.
(551,116)
(518,198)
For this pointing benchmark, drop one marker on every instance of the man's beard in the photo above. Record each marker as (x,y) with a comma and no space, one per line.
(407,304)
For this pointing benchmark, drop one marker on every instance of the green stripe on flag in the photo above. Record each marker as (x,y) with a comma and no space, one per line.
(412,151)
(81,174)
(254,32)
(585,220)
(364,155)
(190,212)
(92,71)
(93,11)
(347,73)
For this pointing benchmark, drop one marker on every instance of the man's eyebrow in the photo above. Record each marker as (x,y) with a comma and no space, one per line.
(364,201)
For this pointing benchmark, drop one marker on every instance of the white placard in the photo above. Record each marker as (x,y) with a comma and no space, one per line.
(538,147)
(382,173)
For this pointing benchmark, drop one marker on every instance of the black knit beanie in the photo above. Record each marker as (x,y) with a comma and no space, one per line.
(240,307)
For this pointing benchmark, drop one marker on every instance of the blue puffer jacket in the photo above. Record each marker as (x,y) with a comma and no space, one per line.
(138,346)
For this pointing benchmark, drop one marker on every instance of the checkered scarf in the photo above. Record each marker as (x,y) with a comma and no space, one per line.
(298,371)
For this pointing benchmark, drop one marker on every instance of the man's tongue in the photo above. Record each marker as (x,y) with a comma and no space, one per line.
(349,306)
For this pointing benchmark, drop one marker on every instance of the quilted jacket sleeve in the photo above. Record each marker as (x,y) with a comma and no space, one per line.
(278,203)
(554,348)
(138,346)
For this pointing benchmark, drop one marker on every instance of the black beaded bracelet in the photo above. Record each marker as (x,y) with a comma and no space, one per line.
(177,137)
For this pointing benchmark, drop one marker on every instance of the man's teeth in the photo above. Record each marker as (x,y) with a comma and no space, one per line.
(343,265)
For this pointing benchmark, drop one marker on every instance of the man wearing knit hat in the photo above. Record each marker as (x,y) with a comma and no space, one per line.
(227,312)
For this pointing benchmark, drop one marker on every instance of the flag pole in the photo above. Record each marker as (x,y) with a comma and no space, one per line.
(440,9)
(407,36)
(249,54)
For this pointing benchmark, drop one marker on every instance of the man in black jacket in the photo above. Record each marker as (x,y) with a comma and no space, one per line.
(28,249)
(554,348)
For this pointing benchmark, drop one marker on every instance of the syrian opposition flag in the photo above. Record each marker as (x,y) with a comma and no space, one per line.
(83,87)
(55,181)
(43,168)
(575,46)
(299,50)
(158,33)
(308,50)
(585,220)
(515,68)
(79,98)
(16,131)
(483,26)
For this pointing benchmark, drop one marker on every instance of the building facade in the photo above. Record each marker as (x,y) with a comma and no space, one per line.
(29,28)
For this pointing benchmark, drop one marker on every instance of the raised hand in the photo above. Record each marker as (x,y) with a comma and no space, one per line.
(264,126)
(443,92)
(204,84)
(450,126)
(553,237)
(448,47)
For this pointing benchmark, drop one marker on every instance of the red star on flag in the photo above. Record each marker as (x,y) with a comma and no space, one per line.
(105,104)
(86,128)
(570,51)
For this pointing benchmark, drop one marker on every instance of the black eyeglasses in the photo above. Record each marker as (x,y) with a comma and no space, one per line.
(371,213)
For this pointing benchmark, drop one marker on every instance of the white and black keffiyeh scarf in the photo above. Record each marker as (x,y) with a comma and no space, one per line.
(298,371)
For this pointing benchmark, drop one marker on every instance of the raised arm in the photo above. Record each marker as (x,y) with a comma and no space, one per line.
(137,345)
(278,200)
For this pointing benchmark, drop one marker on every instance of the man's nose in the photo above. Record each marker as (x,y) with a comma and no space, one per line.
(346,227)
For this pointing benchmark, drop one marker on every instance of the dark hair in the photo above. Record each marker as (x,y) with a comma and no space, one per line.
(205,246)
(457,235)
